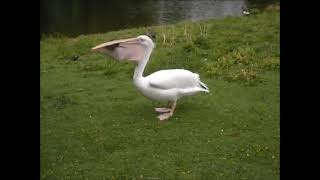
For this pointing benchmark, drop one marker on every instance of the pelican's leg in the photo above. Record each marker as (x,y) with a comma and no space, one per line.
(163,109)
(173,108)
(165,116)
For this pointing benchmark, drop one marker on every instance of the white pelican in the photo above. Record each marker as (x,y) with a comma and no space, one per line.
(164,85)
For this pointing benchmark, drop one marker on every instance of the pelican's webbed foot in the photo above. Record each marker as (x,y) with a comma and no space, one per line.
(166,112)
(164,116)
(162,110)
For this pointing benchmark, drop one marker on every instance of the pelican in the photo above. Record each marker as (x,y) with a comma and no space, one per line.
(165,85)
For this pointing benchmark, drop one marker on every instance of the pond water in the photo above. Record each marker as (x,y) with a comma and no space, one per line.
(75,17)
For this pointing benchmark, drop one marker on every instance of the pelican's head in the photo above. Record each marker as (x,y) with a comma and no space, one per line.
(146,41)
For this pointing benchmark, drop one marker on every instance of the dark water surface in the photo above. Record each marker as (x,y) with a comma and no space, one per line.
(75,17)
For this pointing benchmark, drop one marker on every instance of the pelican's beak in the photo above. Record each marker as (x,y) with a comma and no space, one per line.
(123,49)
(113,43)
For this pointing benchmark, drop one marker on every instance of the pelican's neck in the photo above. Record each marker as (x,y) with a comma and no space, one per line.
(138,72)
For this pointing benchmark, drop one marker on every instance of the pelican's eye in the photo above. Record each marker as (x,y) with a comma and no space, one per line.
(141,40)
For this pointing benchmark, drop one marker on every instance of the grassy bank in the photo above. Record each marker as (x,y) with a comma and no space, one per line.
(96,125)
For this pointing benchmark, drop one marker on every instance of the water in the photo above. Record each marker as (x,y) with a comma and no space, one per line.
(75,17)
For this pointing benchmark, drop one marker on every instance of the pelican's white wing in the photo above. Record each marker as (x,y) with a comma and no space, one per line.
(175,78)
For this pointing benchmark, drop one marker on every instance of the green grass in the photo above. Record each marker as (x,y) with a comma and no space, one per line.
(96,125)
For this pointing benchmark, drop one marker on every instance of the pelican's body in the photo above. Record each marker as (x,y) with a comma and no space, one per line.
(169,85)
(164,85)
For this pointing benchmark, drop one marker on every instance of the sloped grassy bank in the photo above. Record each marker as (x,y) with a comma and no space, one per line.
(94,123)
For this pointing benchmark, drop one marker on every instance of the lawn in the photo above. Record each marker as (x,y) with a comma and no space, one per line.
(96,125)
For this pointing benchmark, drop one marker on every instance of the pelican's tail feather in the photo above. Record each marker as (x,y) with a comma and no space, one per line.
(204,86)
